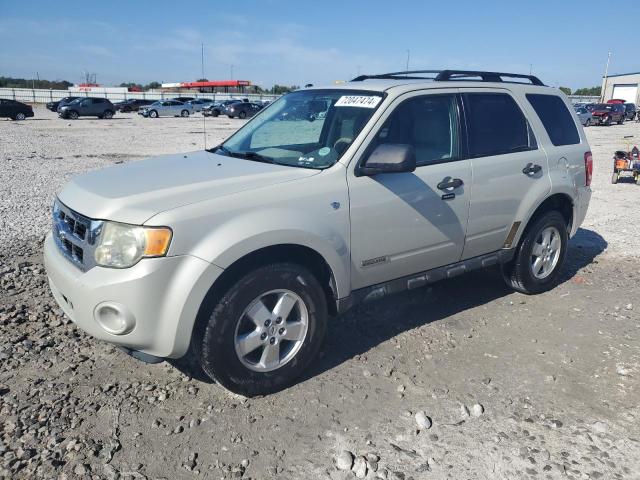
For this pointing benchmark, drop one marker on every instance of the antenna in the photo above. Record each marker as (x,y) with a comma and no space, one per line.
(204,117)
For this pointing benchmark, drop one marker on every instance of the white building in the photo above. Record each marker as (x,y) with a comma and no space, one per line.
(624,86)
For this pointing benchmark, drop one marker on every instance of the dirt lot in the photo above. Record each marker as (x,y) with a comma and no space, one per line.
(515,386)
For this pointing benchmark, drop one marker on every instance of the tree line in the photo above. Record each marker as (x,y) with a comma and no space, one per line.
(10,82)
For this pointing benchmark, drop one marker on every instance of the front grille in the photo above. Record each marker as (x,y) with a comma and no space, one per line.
(75,235)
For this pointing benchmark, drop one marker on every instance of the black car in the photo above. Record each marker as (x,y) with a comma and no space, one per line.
(631,110)
(184,99)
(53,106)
(242,109)
(15,110)
(218,108)
(87,107)
(132,105)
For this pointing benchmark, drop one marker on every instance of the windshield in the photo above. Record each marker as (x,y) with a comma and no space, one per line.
(603,106)
(307,128)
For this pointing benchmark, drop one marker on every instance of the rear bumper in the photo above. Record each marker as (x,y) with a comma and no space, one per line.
(161,295)
(580,207)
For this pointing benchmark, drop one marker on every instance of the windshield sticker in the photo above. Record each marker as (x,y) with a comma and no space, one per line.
(362,101)
(324,151)
(306,159)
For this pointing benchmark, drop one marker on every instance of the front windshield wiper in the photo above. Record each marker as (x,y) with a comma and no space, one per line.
(246,155)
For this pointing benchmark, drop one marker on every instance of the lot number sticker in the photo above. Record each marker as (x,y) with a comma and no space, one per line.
(363,101)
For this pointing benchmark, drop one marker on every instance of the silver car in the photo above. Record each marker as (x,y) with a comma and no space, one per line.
(584,115)
(238,256)
(166,108)
(199,103)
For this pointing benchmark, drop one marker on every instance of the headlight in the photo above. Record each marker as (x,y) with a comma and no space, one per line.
(122,246)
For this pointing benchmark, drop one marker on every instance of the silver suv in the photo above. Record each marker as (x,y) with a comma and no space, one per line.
(237,256)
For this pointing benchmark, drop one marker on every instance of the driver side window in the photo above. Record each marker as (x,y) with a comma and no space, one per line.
(429,123)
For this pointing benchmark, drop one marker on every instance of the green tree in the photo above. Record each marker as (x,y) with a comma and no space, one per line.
(130,85)
(590,91)
(566,90)
(10,82)
(280,89)
(152,85)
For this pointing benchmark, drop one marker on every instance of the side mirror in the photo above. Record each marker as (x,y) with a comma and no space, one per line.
(390,158)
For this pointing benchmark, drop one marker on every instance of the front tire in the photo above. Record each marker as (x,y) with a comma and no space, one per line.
(587,123)
(108,114)
(73,115)
(184,113)
(19,116)
(242,115)
(539,258)
(153,114)
(264,331)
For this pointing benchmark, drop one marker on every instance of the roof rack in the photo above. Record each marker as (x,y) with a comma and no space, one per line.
(452,75)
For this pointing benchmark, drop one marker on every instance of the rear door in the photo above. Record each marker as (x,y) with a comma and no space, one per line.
(404,223)
(510,171)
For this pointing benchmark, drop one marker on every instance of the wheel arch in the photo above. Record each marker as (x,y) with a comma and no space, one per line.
(559,201)
(285,253)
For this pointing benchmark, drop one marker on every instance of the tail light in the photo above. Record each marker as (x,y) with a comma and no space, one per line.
(588,167)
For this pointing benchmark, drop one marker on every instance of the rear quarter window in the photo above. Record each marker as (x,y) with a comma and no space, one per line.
(556,118)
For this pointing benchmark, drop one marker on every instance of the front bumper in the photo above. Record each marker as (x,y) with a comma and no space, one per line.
(162,295)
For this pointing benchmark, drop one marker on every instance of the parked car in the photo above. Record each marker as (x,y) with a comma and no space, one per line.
(15,110)
(237,256)
(608,113)
(242,109)
(217,108)
(132,105)
(166,108)
(199,103)
(53,106)
(631,111)
(87,107)
(584,115)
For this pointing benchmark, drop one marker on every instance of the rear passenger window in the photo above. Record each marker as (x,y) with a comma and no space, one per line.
(496,125)
(556,119)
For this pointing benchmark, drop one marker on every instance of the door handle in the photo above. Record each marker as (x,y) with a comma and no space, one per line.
(531,169)
(450,183)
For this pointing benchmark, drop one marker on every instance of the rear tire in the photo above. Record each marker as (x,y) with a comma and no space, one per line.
(215,113)
(184,113)
(242,115)
(528,276)
(108,114)
(219,338)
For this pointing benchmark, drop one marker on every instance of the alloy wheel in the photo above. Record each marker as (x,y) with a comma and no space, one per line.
(271,330)
(546,252)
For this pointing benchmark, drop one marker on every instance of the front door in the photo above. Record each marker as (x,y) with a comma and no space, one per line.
(404,223)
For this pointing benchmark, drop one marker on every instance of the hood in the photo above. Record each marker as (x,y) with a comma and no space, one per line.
(136,191)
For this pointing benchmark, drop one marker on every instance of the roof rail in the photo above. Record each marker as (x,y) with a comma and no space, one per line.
(452,75)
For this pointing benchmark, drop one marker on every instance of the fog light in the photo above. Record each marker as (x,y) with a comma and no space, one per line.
(114,318)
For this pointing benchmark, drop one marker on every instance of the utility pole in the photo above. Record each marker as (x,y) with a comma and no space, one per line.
(202,62)
(606,78)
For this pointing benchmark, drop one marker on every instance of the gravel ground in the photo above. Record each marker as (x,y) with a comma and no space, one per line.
(464,379)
